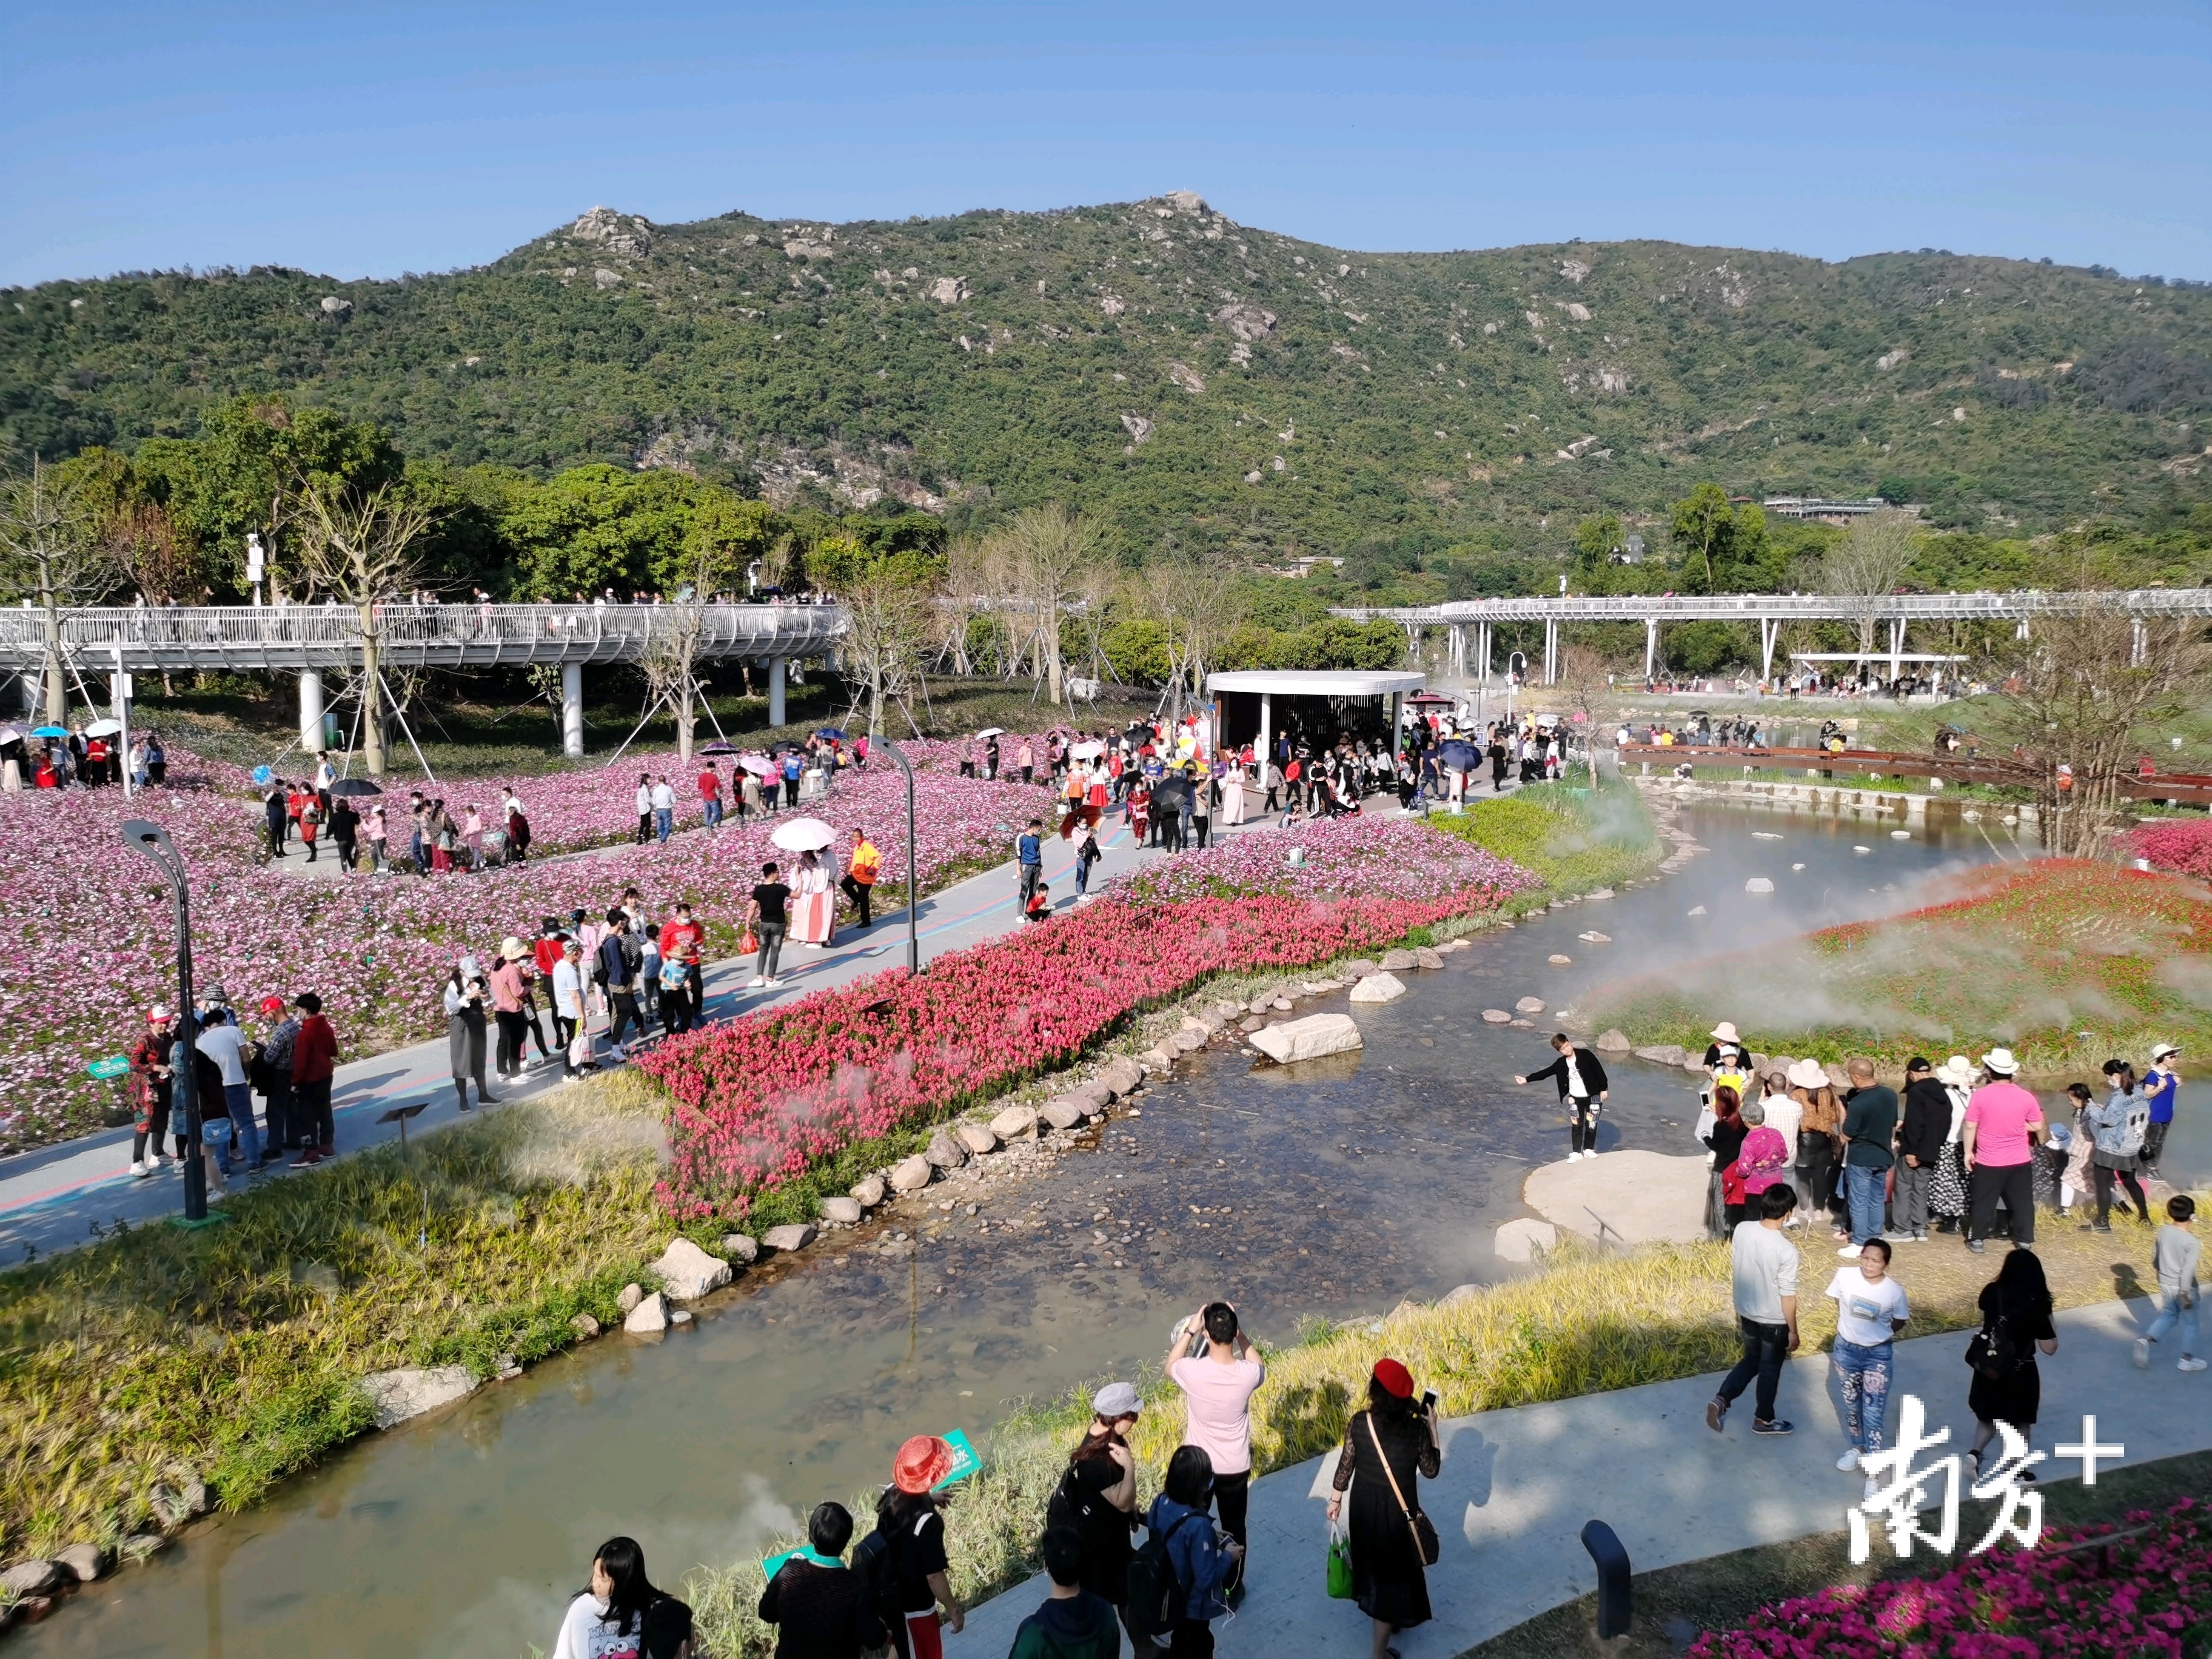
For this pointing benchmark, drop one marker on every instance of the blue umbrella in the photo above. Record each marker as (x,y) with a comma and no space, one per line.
(832,732)
(49,731)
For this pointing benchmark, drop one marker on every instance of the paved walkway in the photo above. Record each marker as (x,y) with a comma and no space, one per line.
(1517,1486)
(51,1198)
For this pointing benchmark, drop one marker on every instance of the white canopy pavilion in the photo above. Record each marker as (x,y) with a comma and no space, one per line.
(1244,701)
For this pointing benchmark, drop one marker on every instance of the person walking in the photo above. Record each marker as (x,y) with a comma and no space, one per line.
(1087,854)
(1203,1563)
(345,833)
(1073,1621)
(314,1062)
(861,873)
(1870,1133)
(1924,1121)
(820,1607)
(1764,1263)
(618,961)
(2118,1126)
(2162,1084)
(710,794)
(2007,1387)
(794,768)
(768,913)
(814,911)
(1947,1199)
(2174,1258)
(606,1618)
(276,814)
(1095,1501)
(1997,1151)
(1025,757)
(1584,1089)
(1870,1309)
(663,809)
(467,993)
(568,1018)
(912,1526)
(643,802)
(1388,1449)
(518,826)
(510,994)
(1212,1362)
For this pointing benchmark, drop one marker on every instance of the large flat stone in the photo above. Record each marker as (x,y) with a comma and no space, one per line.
(796,1237)
(1310,1038)
(1497,1016)
(1613,1041)
(412,1390)
(688,1273)
(1641,1196)
(1379,987)
(1661,1053)
(911,1175)
(1015,1123)
(1524,1238)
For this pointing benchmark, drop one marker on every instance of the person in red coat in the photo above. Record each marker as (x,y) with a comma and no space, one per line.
(314,1062)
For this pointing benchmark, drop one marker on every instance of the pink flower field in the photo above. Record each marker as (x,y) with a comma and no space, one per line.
(92,921)
(1344,857)
(2181,845)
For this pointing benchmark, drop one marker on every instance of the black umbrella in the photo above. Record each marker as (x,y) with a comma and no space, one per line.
(719,749)
(1459,755)
(786,746)
(355,786)
(1170,793)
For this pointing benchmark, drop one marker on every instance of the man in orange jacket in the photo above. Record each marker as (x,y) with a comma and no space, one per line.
(859,882)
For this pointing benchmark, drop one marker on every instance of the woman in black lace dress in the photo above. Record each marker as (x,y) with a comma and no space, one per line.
(1395,1437)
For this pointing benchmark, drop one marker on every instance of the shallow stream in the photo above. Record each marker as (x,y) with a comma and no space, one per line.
(1331,1190)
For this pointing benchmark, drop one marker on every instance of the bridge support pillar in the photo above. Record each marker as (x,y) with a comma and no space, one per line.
(572,710)
(1769,632)
(310,710)
(1552,652)
(776,690)
(1650,645)
(1896,649)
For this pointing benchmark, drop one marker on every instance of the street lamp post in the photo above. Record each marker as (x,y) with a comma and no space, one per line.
(154,841)
(913,922)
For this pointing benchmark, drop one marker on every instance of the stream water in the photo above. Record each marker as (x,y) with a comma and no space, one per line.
(1332,1189)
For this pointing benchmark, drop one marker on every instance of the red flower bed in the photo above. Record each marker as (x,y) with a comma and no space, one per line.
(760,1099)
(2181,845)
(2156,1600)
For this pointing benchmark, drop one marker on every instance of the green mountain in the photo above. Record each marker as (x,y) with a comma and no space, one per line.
(1194,380)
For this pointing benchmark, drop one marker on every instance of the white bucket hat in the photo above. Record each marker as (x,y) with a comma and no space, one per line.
(2162,1050)
(1958,1071)
(2000,1061)
(1725,1032)
(1808,1074)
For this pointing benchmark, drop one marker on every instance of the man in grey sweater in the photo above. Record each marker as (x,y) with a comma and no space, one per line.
(1766,1264)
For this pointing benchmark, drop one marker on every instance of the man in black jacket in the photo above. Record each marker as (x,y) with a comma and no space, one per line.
(1920,1137)
(822,1610)
(1582,1089)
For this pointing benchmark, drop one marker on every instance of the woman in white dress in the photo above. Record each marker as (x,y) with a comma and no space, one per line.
(1232,795)
(815,918)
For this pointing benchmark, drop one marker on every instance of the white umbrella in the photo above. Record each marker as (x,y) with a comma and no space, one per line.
(804,835)
(754,764)
(992,732)
(103,728)
(1091,751)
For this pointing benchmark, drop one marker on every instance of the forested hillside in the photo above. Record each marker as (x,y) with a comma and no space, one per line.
(1191,381)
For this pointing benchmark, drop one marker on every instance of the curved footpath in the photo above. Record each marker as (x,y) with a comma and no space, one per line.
(1518,1485)
(51,1198)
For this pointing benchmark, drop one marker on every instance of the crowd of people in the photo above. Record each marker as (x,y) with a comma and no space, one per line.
(91,755)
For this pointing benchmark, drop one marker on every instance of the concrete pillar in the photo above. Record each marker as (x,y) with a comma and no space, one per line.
(1484,646)
(118,693)
(1552,652)
(310,710)
(1267,748)
(776,690)
(1398,719)
(572,710)
(1896,649)
(1650,645)
(1769,632)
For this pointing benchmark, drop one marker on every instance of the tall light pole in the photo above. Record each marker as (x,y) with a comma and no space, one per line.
(913,922)
(154,841)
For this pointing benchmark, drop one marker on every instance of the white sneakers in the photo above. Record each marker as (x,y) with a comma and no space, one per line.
(1849,1460)
(2190,1362)
(141,1170)
(2142,1353)
(755,982)
(1849,1252)
(1572,1157)
(1868,1492)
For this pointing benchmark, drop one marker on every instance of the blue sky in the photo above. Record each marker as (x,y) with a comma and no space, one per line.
(369,140)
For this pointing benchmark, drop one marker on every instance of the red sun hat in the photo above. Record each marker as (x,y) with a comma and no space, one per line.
(1395,1379)
(272,1004)
(923,1461)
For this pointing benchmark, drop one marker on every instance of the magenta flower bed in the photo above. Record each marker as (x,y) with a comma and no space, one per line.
(2184,845)
(2155,1600)
(759,1100)
(1385,858)
(91,919)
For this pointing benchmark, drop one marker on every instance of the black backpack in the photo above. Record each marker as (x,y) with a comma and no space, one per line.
(1156,1596)
(1072,1507)
(872,1566)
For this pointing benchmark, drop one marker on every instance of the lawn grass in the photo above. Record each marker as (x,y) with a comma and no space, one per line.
(1575,839)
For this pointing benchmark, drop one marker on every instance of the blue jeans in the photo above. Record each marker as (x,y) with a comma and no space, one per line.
(2172,1313)
(1864,1373)
(237,1100)
(664,822)
(1863,1188)
(714,813)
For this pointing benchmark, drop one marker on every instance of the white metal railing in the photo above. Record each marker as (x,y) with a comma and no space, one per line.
(2022,605)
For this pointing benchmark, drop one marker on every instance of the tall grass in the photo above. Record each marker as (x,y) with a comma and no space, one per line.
(1575,839)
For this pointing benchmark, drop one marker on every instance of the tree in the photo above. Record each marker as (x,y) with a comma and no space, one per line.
(1583,681)
(1596,540)
(50,552)
(1868,565)
(1196,606)
(1047,550)
(892,611)
(361,548)
(151,554)
(1703,523)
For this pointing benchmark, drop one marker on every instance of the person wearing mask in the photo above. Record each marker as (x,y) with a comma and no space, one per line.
(859,882)
(1073,1621)
(1764,1265)
(915,1568)
(1869,1132)
(1925,1121)
(2007,1387)
(820,1607)
(221,1041)
(345,833)
(314,1062)
(681,941)
(1388,1449)
(1584,1089)
(1029,861)
(2118,1126)
(2174,1257)
(1219,1373)
(1870,1309)
(1095,1501)
(619,959)
(1997,1150)
(467,992)
(275,811)
(569,1005)
(2162,1086)
(606,1618)
(150,1071)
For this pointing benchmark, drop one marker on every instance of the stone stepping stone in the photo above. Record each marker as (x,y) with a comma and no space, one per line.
(1558,960)
(1530,1005)
(1497,1016)
(1595,938)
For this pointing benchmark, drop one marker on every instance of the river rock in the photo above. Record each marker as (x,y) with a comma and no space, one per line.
(1497,1016)
(911,1175)
(867,1193)
(1397,962)
(1157,1059)
(1425,957)
(1558,960)
(1121,1075)
(978,1139)
(1692,1062)
(1186,1040)
(27,1578)
(585,1326)
(1695,910)
(1359,969)
(1062,1113)
(1525,1238)
(1600,892)
(1757,884)
(168,1506)
(1309,1038)
(1250,1023)
(1595,938)
(1613,1041)
(843,1210)
(649,1317)
(1015,1123)
(139,1546)
(1282,1005)
(1529,1006)
(1379,987)
(409,1392)
(680,1318)
(688,1273)
(744,1250)
(1459,1293)
(628,1298)
(1262,1003)
(795,1236)
(947,1151)
(1839,1077)
(1661,1053)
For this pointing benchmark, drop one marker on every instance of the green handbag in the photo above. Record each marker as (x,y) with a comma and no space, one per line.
(1340,1566)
